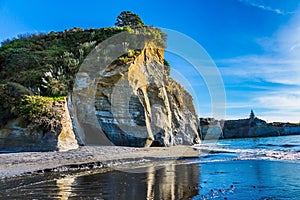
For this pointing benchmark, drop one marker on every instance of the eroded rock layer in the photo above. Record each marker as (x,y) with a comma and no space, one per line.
(138,104)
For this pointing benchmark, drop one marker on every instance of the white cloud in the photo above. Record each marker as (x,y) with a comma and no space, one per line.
(272,106)
(277,115)
(260,5)
(280,64)
(268,68)
(281,101)
(281,98)
(273,86)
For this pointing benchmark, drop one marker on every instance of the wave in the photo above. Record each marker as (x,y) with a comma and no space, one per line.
(279,145)
(289,145)
(210,153)
(267,145)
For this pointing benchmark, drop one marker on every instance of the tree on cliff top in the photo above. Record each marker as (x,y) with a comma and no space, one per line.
(252,115)
(127,18)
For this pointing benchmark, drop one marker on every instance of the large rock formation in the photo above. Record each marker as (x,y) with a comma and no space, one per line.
(122,95)
(136,104)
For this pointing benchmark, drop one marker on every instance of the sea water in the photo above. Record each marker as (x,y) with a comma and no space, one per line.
(285,148)
(256,168)
(253,168)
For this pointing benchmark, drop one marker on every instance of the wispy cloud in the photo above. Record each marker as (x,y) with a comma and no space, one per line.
(285,101)
(268,68)
(260,5)
(279,64)
(272,106)
(279,81)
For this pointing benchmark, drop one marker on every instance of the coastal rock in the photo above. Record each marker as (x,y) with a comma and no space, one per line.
(66,138)
(17,135)
(136,104)
(245,128)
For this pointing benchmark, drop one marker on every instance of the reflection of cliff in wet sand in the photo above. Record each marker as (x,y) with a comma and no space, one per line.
(165,182)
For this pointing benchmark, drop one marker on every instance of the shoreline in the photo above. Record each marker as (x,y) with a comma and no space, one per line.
(233,179)
(85,158)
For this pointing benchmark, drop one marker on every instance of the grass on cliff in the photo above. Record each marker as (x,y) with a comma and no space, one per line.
(43,111)
(47,63)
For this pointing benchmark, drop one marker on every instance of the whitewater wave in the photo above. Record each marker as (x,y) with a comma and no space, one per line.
(250,149)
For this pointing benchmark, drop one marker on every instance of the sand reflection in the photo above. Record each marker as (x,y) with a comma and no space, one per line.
(65,187)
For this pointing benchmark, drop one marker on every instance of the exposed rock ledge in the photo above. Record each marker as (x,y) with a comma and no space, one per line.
(17,135)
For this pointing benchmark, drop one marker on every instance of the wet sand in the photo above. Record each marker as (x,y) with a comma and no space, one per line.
(240,179)
(87,157)
(143,173)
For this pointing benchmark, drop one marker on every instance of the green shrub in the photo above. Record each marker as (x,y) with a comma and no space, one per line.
(41,111)
(26,60)
(167,66)
(11,95)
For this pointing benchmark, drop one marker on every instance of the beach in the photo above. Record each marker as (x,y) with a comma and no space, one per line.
(252,179)
(253,168)
(86,157)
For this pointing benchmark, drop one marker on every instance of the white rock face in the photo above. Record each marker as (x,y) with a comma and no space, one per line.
(137,104)
(66,138)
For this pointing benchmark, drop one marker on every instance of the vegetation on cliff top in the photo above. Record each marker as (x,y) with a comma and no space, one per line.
(46,64)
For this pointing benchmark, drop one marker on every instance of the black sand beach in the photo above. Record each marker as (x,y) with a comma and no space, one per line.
(88,157)
(252,179)
(258,168)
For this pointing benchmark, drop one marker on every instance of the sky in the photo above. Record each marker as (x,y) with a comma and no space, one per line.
(254,44)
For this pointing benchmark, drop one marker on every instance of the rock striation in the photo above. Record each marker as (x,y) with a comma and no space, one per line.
(138,104)
(123,95)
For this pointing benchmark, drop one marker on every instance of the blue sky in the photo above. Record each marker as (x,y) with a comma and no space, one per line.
(254,43)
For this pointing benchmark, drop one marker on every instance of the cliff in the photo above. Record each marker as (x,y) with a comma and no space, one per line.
(245,128)
(136,104)
(130,99)
(160,112)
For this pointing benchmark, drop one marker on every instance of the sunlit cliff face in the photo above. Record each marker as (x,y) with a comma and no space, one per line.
(132,100)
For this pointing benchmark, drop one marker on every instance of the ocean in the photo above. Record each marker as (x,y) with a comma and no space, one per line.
(252,168)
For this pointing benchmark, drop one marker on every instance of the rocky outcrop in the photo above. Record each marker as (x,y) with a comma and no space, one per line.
(248,128)
(124,95)
(66,137)
(245,128)
(137,104)
(17,135)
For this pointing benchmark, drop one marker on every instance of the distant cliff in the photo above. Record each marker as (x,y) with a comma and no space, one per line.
(245,128)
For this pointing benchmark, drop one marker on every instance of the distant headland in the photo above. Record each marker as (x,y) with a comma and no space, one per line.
(245,128)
